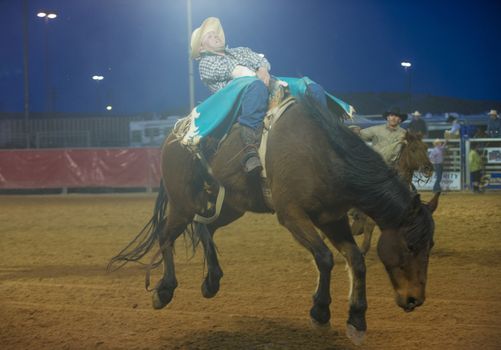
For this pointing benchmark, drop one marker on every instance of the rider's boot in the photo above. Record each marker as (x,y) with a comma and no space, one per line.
(250,160)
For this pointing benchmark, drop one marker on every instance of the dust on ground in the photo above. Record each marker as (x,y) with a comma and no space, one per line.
(56,294)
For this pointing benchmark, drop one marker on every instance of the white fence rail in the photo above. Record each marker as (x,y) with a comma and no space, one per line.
(456,176)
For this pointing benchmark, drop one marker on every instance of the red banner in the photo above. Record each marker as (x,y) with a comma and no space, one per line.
(59,168)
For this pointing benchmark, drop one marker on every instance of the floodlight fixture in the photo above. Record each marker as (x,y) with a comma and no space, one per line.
(47,15)
(406,64)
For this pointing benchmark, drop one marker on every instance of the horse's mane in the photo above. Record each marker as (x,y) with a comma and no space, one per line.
(373,186)
(419,227)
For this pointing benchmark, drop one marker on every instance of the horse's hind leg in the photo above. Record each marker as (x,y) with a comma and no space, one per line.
(301,227)
(359,220)
(368,231)
(164,290)
(210,286)
(339,234)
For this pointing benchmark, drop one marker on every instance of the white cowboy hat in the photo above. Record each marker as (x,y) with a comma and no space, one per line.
(437,141)
(416,114)
(493,112)
(208,25)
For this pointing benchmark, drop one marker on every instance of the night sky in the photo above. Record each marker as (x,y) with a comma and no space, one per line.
(140,47)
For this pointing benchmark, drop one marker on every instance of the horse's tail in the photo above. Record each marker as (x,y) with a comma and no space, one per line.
(146,238)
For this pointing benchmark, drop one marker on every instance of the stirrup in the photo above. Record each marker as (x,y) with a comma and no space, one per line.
(253,165)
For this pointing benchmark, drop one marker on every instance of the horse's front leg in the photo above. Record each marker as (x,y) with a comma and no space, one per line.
(339,234)
(302,229)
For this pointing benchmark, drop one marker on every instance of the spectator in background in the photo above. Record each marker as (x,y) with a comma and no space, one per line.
(453,132)
(475,165)
(418,125)
(494,124)
(387,139)
(437,159)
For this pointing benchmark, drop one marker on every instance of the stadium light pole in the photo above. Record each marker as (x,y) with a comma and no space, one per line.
(26,71)
(407,66)
(191,81)
(47,16)
(97,79)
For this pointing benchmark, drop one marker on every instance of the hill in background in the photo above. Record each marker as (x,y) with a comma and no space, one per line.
(365,103)
(377,103)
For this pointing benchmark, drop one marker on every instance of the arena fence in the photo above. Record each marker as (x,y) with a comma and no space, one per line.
(140,167)
(80,168)
(456,176)
(66,132)
(452,178)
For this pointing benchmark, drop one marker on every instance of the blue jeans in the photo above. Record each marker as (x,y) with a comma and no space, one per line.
(438,173)
(255,102)
(254,105)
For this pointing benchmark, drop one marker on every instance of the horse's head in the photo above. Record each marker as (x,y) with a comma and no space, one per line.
(414,156)
(405,251)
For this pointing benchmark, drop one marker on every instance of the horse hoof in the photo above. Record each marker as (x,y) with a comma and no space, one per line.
(357,337)
(320,326)
(320,315)
(209,290)
(161,298)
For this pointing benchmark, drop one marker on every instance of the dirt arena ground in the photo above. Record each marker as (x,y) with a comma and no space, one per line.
(56,294)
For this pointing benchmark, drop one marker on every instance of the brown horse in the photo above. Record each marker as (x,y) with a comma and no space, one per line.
(317,169)
(413,158)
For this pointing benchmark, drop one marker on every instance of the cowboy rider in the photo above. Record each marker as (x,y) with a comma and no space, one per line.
(218,65)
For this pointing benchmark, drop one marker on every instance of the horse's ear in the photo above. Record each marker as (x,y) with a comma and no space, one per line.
(433,203)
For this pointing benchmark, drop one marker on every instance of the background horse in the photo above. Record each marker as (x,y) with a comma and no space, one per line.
(413,158)
(317,169)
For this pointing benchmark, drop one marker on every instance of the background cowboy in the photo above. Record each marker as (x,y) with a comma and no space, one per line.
(418,125)
(437,159)
(493,124)
(387,138)
(454,131)
(475,164)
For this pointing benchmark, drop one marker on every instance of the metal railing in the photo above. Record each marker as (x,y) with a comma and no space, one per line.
(65,132)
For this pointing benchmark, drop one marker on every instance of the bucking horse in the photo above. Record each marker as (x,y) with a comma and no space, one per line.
(317,169)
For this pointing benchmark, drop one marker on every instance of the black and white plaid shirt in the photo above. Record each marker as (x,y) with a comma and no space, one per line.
(215,70)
